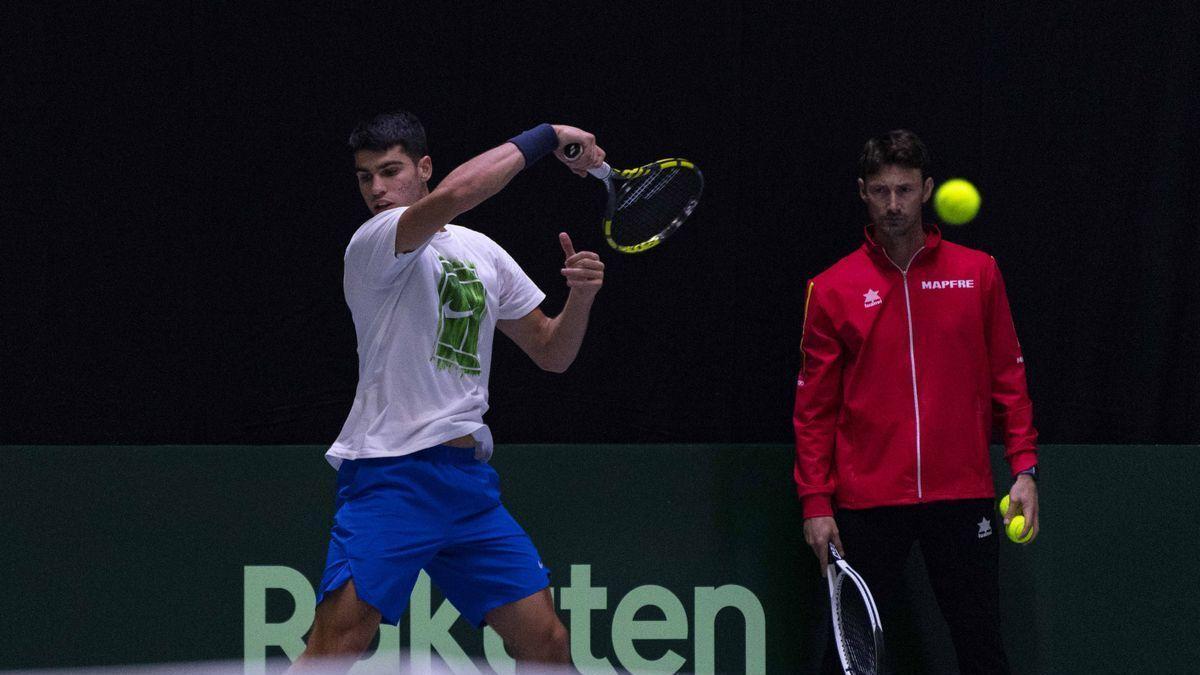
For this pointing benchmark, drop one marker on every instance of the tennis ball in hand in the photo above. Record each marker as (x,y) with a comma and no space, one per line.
(956,201)
(1003,505)
(1014,530)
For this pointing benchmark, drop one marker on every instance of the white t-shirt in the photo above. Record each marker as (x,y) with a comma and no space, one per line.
(425,322)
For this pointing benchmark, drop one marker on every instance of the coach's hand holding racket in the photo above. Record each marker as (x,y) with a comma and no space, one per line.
(583,270)
(819,533)
(587,155)
(857,628)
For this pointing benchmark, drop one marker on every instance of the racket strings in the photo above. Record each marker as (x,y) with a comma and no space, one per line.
(858,632)
(654,203)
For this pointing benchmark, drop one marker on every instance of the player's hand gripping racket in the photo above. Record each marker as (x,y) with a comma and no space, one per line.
(856,625)
(647,204)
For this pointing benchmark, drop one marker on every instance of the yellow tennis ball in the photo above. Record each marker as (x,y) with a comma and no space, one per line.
(1014,530)
(956,201)
(1004,505)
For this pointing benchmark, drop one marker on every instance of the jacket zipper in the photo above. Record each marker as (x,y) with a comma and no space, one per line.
(912,360)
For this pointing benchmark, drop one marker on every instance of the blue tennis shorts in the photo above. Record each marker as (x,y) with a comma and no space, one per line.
(438,510)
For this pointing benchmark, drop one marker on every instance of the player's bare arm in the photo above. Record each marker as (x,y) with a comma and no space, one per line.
(554,343)
(478,179)
(464,188)
(590,155)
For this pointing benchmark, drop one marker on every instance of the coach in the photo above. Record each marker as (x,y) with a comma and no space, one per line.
(909,359)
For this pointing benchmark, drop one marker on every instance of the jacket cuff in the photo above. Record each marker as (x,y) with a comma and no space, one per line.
(816,506)
(1021,461)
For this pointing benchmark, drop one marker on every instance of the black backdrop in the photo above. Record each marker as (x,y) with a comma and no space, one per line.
(177,199)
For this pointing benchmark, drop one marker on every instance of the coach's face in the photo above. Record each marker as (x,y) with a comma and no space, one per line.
(894,197)
(391,178)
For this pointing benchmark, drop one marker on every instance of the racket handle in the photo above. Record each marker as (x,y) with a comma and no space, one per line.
(602,172)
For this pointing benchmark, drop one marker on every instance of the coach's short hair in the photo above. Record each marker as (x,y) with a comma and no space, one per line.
(900,147)
(390,129)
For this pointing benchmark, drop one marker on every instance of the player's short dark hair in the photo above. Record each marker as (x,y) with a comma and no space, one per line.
(387,130)
(900,147)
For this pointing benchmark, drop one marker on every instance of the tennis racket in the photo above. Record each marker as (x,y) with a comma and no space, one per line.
(647,204)
(856,625)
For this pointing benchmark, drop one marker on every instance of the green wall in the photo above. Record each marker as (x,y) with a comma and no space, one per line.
(117,555)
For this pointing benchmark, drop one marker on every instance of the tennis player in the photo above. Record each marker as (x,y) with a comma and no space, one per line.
(909,357)
(414,490)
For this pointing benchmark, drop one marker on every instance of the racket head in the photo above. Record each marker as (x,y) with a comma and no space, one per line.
(857,629)
(648,204)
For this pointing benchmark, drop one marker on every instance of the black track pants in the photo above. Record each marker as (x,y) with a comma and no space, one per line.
(960,543)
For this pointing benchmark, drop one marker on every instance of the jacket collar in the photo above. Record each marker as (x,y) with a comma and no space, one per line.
(933,237)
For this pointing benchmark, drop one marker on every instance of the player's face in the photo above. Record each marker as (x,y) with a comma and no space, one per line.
(391,178)
(894,197)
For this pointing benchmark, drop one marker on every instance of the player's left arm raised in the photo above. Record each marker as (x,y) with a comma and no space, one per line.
(554,343)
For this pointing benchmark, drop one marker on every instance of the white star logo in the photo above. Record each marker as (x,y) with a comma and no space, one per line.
(985,528)
(871,298)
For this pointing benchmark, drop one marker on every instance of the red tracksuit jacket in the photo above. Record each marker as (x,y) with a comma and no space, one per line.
(903,375)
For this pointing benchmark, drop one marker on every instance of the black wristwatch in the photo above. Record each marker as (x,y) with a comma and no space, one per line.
(1032,472)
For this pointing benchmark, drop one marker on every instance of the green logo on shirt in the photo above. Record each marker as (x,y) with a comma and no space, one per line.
(463,302)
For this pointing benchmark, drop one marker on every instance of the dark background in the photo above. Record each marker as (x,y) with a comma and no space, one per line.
(177,198)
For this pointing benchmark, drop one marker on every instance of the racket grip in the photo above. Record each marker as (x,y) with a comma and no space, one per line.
(602,172)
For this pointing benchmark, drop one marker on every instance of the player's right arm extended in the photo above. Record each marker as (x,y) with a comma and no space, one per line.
(818,400)
(479,178)
(464,188)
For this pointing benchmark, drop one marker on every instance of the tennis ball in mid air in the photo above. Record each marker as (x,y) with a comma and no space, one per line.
(956,201)
(1014,530)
